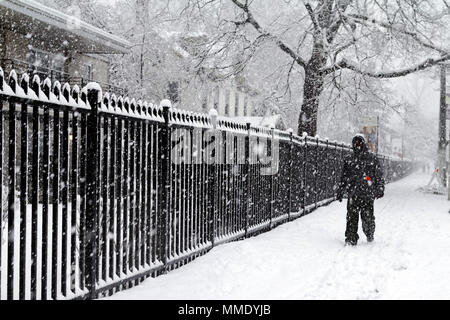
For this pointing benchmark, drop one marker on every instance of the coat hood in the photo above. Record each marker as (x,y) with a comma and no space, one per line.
(361,138)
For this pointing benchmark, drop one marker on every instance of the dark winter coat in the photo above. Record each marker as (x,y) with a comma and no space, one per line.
(362,175)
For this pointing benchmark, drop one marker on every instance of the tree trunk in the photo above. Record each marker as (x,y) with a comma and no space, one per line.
(312,89)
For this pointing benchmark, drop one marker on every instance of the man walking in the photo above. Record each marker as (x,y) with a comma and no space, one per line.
(362,180)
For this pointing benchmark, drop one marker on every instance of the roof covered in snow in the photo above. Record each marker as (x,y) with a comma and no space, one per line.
(103,42)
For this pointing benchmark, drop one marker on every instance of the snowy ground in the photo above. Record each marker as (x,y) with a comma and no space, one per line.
(306,259)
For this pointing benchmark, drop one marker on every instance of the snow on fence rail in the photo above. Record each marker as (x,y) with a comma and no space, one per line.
(95,200)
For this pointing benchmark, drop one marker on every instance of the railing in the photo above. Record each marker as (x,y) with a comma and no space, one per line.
(99,192)
(54,75)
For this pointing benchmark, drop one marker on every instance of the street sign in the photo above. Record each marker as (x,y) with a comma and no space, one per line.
(369,128)
(373,121)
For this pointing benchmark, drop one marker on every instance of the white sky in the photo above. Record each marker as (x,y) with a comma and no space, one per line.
(419,89)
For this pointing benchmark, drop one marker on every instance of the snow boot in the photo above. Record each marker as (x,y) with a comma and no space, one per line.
(350,243)
(370,239)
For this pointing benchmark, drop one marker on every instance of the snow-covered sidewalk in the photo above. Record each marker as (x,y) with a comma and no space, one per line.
(306,259)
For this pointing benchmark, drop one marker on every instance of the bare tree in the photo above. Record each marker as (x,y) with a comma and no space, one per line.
(325,38)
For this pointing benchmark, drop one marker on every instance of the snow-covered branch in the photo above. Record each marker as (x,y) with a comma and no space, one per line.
(361,19)
(344,64)
(252,21)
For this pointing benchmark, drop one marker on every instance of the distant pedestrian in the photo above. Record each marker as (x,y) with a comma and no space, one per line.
(362,180)
(372,140)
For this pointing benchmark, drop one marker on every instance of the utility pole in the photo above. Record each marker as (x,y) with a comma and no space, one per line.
(442,128)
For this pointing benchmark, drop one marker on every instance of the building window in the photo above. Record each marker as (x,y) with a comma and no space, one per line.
(45,62)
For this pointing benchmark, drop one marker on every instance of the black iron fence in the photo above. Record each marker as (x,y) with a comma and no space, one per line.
(99,192)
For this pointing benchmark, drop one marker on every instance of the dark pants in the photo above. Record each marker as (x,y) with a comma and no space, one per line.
(355,207)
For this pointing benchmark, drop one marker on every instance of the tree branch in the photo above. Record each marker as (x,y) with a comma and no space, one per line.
(313,18)
(393,74)
(335,26)
(252,21)
(358,18)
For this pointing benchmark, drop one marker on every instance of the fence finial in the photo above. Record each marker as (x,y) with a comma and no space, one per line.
(75,93)
(66,92)
(106,101)
(57,89)
(83,95)
(13,80)
(145,109)
(166,103)
(36,85)
(126,105)
(95,86)
(139,108)
(25,82)
(133,109)
(46,87)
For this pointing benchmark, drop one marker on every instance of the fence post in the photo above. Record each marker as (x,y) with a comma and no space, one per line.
(92,200)
(11,187)
(272,197)
(212,178)
(316,172)
(247,195)
(164,185)
(336,172)
(305,161)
